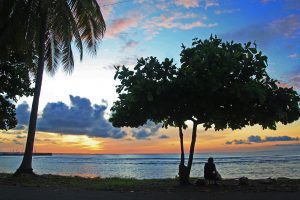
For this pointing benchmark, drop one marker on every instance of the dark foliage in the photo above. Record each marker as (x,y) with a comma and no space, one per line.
(15,82)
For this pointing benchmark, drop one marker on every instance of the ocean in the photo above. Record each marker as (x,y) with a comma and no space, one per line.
(255,165)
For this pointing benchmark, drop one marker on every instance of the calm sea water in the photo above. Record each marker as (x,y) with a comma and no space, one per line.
(230,165)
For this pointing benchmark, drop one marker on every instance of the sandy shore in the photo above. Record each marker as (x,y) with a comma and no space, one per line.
(34,193)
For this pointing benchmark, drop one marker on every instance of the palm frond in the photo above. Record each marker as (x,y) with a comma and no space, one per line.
(52,54)
(66,21)
(90,22)
(73,25)
(67,57)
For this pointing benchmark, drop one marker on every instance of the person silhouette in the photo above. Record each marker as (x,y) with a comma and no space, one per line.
(210,171)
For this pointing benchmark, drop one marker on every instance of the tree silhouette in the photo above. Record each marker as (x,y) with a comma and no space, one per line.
(50,27)
(219,85)
(15,81)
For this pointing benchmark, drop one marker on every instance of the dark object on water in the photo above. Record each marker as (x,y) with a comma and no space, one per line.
(243,181)
(21,154)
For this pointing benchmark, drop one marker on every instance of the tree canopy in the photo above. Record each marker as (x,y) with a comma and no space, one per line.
(226,86)
(15,78)
(219,85)
(143,92)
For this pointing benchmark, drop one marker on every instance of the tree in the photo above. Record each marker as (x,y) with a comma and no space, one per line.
(219,85)
(50,28)
(15,79)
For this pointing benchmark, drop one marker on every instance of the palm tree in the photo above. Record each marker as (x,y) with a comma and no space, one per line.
(51,27)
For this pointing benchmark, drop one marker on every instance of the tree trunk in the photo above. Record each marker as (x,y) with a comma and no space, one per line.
(26,165)
(181,146)
(183,178)
(192,148)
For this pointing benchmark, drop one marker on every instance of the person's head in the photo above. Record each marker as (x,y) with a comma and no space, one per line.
(210,160)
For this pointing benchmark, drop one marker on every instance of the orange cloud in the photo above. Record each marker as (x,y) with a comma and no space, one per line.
(187,3)
(288,26)
(207,141)
(120,25)
(154,25)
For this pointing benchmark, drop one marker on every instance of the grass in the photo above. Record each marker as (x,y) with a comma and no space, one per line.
(129,184)
(119,184)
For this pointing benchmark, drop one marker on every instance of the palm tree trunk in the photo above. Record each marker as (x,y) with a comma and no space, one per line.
(192,148)
(26,165)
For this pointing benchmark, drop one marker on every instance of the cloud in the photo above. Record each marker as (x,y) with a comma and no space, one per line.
(287,27)
(129,45)
(128,61)
(236,142)
(49,141)
(78,118)
(257,139)
(227,11)
(164,137)
(175,20)
(293,81)
(121,25)
(81,118)
(280,138)
(20,137)
(146,131)
(294,56)
(16,142)
(22,115)
(187,3)
(164,5)
(106,7)
(211,3)
(266,1)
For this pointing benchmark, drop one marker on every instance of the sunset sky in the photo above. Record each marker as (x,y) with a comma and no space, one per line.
(74,108)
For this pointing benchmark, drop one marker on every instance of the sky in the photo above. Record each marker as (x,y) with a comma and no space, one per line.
(74,109)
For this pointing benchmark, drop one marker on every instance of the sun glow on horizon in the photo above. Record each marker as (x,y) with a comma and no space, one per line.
(207,141)
(82,141)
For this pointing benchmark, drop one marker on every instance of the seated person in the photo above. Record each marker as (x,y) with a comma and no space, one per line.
(210,171)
